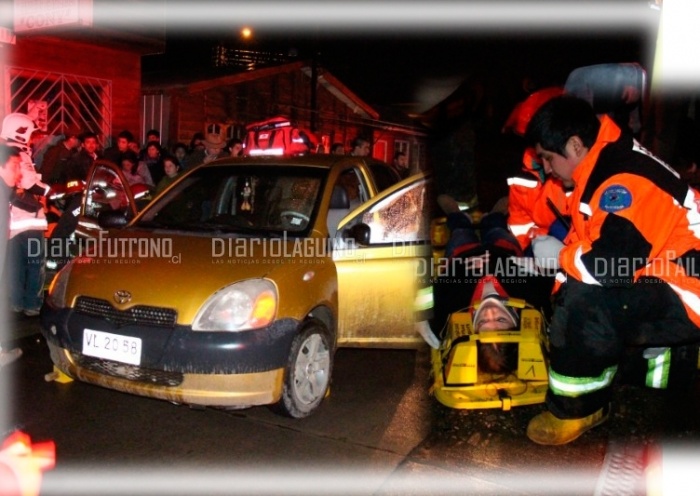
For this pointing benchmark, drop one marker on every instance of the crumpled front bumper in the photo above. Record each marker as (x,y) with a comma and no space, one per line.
(230,369)
(225,390)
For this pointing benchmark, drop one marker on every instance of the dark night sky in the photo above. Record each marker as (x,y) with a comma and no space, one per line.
(390,51)
(394,70)
(401,69)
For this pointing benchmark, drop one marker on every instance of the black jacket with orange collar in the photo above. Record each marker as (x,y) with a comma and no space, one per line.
(632,216)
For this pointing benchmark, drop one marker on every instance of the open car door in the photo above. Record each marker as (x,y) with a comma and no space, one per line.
(382,249)
(107,194)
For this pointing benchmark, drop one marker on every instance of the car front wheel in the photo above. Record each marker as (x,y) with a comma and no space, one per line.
(308,372)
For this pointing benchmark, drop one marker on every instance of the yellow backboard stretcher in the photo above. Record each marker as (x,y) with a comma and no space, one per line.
(458,382)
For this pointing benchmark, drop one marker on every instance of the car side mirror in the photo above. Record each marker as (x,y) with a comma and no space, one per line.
(360,233)
(112,219)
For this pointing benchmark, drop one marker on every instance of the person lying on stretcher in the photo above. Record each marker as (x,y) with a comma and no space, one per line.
(474,256)
(491,312)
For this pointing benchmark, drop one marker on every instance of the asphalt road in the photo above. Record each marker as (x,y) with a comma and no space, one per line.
(378,433)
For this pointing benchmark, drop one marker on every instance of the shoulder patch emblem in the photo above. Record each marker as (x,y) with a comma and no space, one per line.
(615,198)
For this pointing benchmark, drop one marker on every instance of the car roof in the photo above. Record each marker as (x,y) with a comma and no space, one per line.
(325,161)
(311,160)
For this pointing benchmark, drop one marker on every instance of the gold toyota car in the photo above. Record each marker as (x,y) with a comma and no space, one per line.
(235,286)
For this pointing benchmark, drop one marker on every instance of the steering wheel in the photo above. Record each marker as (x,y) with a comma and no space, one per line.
(294,215)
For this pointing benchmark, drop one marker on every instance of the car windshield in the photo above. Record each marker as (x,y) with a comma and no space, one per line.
(247,199)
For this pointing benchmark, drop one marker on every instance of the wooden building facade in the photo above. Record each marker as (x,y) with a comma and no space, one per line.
(74,72)
(311,97)
(88,76)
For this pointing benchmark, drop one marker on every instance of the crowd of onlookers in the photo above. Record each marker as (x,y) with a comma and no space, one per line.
(66,157)
(73,153)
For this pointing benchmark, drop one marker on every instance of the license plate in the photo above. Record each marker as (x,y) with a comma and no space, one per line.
(100,344)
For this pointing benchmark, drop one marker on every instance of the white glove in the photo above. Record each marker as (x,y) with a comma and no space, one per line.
(546,250)
(423,328)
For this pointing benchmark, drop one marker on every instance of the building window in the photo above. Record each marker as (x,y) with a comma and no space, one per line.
(72,101)
(156,112)
(235,131)
(215,128)
(402,146)
(417,157)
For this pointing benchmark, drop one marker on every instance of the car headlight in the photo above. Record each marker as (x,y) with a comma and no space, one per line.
(242,306)
(57,290)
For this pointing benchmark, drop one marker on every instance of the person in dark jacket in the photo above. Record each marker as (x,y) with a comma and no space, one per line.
(153,160)
(54,169)
(78,169)
(115,153)
(171,167)
(10,174)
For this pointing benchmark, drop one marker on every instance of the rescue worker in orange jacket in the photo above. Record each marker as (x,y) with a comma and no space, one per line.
(534,199)
(631,263)
(535,203)
(529,214)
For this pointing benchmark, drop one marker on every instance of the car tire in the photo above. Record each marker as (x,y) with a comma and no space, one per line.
(307,376)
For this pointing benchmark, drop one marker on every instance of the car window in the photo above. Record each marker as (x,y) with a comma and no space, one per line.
(384,176)
(351,181)
(398,217)
(249,199)
(105,193)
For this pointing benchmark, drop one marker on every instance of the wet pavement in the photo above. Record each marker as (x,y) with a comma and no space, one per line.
(379,433)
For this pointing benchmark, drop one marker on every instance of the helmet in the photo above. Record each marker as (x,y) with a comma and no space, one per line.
(522,113)
(490,290)
(75,186)
(17,128)
(139,190)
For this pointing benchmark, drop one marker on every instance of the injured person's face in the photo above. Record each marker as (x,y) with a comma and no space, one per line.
(492,315)
(496,358)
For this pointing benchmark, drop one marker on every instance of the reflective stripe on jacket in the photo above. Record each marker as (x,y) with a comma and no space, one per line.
(632,216)
(21,220)
(576,386)
(528,212)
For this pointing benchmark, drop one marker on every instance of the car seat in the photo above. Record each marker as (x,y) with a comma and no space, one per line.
(339,208)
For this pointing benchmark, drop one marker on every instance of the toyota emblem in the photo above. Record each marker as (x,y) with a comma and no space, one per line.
(122,296)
